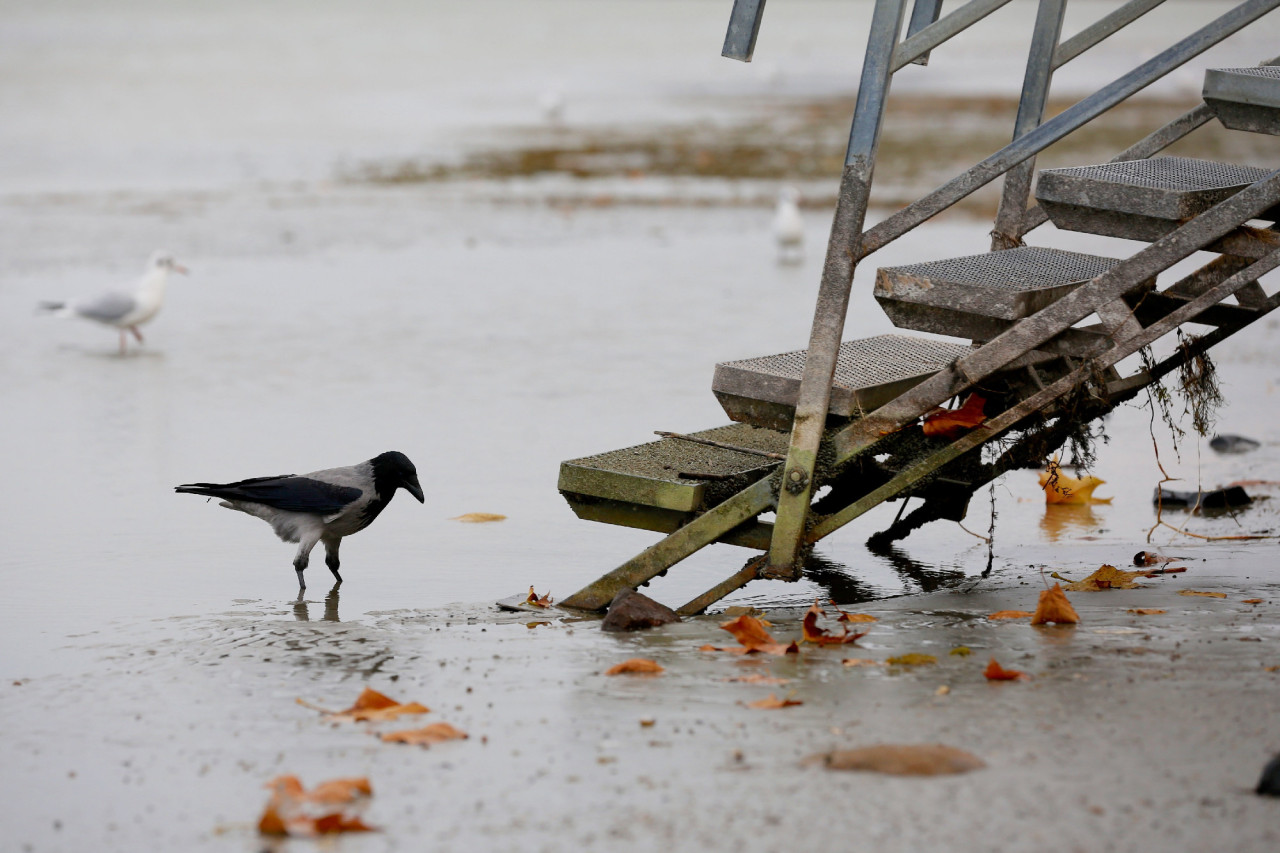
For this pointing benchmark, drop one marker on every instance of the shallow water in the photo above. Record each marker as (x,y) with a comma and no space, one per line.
(326,321)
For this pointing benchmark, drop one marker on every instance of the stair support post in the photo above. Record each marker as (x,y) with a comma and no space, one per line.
(833,295)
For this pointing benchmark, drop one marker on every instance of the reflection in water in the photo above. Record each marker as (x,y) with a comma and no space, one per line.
(928,578)
(1062,520)
(845,588)
(302,614)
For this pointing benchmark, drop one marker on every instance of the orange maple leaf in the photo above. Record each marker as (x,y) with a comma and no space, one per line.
(371,705)
(635,666)
(811,633)
(995,672)
(772,701)
(544,601)
(289,811)
(1011,614)
(953,423)
(751,633)
(852,617)
(1145,611)
(1054,607)
(426,736)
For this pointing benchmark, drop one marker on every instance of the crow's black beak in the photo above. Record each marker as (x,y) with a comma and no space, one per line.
(413,488)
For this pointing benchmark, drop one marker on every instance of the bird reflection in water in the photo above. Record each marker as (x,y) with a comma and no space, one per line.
(302,614)
(1068,521)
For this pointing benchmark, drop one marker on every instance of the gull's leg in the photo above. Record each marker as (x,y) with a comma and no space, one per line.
(123,339)
(331,555)
(136,333)
(303,557)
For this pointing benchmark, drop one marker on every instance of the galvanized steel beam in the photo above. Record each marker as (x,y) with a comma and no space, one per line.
(744,26)
(927,39)
(1103,28)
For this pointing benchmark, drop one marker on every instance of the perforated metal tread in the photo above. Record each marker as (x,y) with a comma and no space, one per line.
(1138,199)
(1245,98)
(869,373)
(676,474)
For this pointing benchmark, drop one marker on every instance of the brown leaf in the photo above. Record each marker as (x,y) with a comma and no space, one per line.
(1107,577)
(289,811)
(478,517)
(860,662)
(533,599)
(425,736)
(759,678)
(271,823)
(771,702)
(995,672)
(811,633)
(635,666)
(371,705)
(1202,594)
(1145,611)
(1011,614)
(1060,488)
(1054,607)
(853,617)
(341,790)
(337,822)
(751,633)
(953,423)
(912,659)
(1252,601)
(903,759)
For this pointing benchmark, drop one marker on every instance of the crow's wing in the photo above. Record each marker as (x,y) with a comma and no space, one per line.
(287,492)
(107,308)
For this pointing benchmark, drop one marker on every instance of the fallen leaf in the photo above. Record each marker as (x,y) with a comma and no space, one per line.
(1011,614)
(1252,601)
(1201,593)
(1106,577)
(291,809)
(425,736)
(1060,488)
(912,659)
(635,666)
(853,617)
(811,633)
(373,706)
(478,517)
(647,722)
(331,823)
(337,791)
(533,599)
(943,690)
(1272,668)
(961,651)
(1146,611)
(861,662)
(271,823)
(1054,607)
(771,702)
(903,759)
(751,633)
(759,678)
(995,672)
(953,423)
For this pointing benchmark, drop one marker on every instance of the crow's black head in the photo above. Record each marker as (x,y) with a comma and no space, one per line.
(393,470)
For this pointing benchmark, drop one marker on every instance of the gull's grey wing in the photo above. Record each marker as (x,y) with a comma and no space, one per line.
(107,308)
(289,493)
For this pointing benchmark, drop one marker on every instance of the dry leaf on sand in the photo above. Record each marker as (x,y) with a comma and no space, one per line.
(912,659)
(425,736)
(1107,577)
(478,517)
(1201,593)
(953,423)
(1054,607)
(1061,488)
(1011,614)
(292,810)
(771,702)
(751,633)
(995,672)
(811,633)
(372,706)
(902,759)
(635,666)
(533,599)
(1145,611)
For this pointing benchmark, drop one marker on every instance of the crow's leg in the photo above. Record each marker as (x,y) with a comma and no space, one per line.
(136,333)
(303,557)
(331,555)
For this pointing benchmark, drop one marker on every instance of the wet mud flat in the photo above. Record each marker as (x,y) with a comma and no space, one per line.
(1134,732)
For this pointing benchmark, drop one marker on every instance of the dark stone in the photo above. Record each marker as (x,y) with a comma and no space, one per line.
(1269,784)
(634,611)
(1233,444)
(1232,496)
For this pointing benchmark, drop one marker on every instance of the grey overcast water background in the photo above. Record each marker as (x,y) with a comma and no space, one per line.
(482,329)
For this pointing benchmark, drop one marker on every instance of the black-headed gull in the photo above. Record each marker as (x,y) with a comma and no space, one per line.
(788,226)
(125,311)
(322,506)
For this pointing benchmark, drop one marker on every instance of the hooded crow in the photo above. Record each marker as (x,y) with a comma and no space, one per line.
(125,311)
(322,506)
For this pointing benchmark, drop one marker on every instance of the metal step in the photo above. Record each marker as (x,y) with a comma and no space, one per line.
(674,474)
(1245,98)
(869,373)
(980,296)
(1139,199)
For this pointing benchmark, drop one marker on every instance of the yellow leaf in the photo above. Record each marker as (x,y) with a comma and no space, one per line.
(912,659)
(1202,594)
(1061,488)
(478,517)
(1107,577)
(425,736)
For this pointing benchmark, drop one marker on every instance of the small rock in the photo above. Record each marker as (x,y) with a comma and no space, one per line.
(634,611)
(1269,784)
(1233,444)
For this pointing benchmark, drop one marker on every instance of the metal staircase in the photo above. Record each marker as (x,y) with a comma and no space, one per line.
(846,415)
